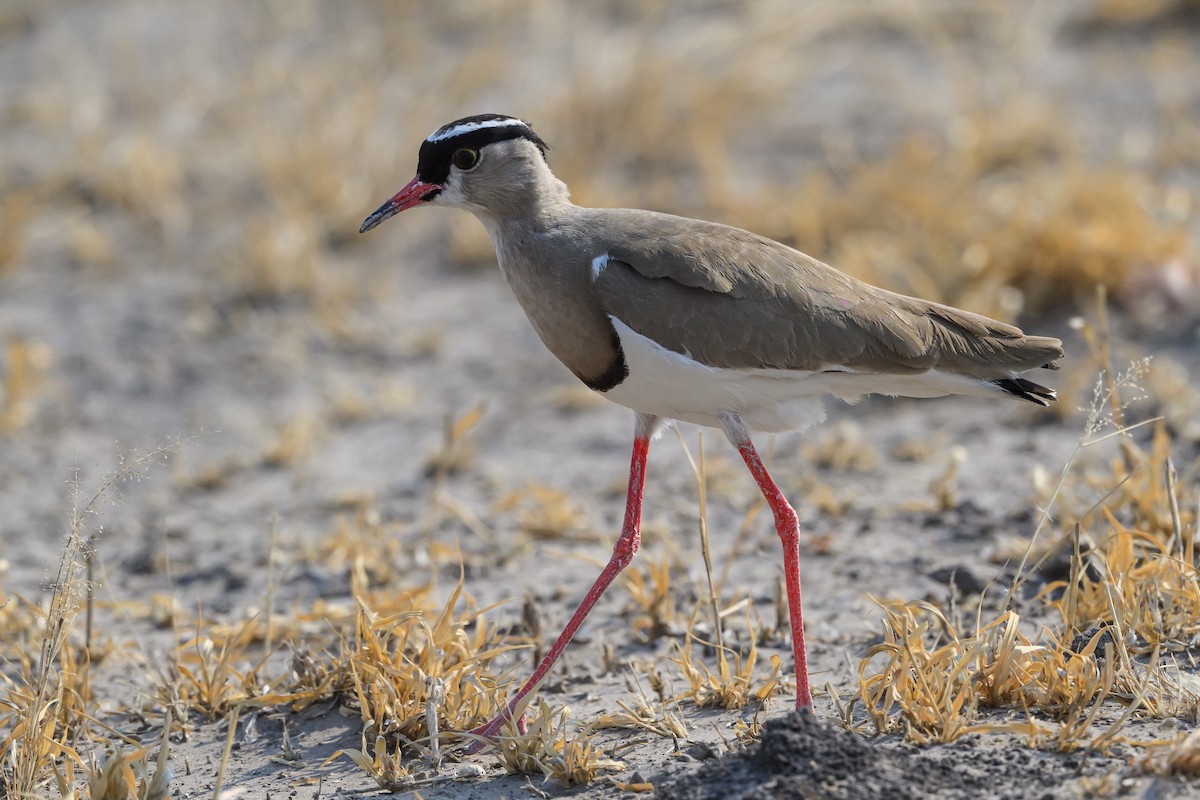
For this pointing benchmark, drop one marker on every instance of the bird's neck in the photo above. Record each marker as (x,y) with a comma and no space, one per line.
(541,201)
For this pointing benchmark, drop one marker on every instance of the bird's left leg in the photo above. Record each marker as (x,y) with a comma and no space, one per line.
(787,525)
(626,545)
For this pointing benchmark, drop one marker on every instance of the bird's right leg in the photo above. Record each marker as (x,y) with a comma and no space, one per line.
(623,551)
(787,525)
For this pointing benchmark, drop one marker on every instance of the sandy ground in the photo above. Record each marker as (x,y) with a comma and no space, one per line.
(158,347)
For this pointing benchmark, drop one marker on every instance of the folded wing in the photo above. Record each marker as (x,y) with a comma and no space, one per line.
(749,302)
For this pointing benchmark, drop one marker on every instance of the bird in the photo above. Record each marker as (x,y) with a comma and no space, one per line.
(686,320)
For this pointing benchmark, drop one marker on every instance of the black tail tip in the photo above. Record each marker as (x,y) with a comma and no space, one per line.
(1026,390)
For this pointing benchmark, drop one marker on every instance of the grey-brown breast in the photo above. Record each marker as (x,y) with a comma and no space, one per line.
(730,298)
(547,270)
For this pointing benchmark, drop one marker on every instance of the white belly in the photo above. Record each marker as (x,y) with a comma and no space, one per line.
(674,386)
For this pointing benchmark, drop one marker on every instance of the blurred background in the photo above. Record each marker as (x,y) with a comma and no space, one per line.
(950,147)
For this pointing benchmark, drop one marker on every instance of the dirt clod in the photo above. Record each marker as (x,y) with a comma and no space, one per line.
(804,758)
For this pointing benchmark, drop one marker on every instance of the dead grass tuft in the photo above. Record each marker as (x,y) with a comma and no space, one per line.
(1138,583)
(457,449)
(393,655)
(45,715)
(121,775)
(1180,758)
(206,677)
(294,442)
(381,763)
(731,684)
(549,747)
(1116,14)
(403,667)
(933,683)
(90,244)
(653,612)
(661,717)
(278,258)
(544,512)
(364,541)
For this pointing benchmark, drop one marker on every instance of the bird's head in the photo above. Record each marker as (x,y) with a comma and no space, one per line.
(490,164)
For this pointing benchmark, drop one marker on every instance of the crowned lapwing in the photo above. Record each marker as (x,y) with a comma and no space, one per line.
(680,319)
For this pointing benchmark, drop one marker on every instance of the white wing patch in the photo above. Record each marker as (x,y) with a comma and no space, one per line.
(467,127)
(598,265)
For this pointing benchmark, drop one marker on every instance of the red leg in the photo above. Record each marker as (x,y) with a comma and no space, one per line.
(623,552)
(788,527)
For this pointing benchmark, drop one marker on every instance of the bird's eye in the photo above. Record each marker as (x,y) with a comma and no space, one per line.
(465,159)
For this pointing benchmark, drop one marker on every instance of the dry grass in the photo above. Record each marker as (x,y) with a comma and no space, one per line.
(456,451)
(944,488)
(933,683)
(1117,14)
(1180,758)
(26,364)
(413,673)
(120,775)
(384,765)
(47,707)
(395,642)
(544,512)
(731,683)
(205,677)
(395,654)
(44,714)
(549,747)
(653,613)
(661,717)
(1132,596)
(294,442)
(364,541)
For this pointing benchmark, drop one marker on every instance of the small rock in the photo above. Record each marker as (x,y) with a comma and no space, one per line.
(1104,643)
(961,577)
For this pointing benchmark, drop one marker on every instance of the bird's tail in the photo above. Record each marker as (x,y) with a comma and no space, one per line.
(1026,390)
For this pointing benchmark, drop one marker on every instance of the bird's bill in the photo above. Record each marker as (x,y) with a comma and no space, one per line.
(414,193)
